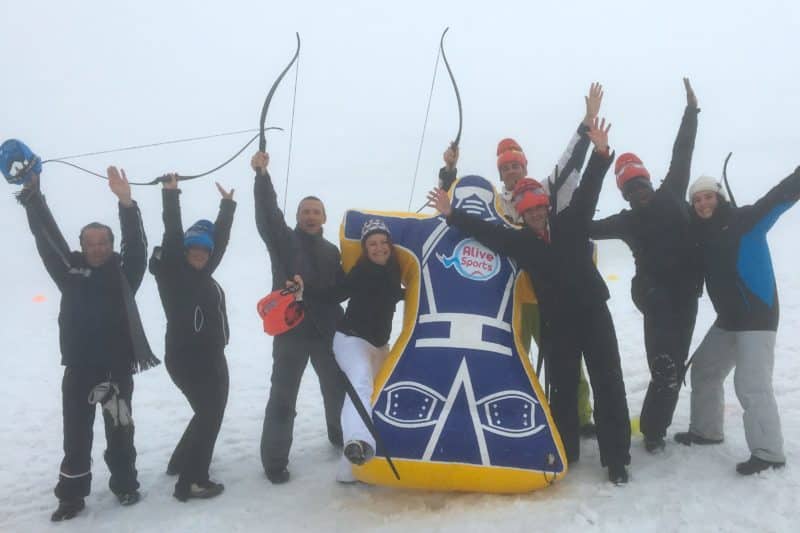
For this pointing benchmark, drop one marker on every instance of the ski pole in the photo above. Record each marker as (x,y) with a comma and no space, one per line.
(365,417)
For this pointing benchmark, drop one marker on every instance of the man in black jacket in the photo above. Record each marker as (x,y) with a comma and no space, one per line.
(101,336)
(668,279)
(303,251)
(554,249)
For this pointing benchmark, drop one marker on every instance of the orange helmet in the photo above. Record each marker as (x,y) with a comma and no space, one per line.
(280,311)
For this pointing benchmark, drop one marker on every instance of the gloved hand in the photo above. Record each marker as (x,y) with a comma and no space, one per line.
(107,394)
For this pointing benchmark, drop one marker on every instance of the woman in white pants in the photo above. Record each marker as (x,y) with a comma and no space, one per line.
(360,343)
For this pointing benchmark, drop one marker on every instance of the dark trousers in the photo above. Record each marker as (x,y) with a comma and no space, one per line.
(589,331)
(669,318)
(203,379)
(75,476)
(290,355)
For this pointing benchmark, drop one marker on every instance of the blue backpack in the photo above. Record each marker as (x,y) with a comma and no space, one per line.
(18,163)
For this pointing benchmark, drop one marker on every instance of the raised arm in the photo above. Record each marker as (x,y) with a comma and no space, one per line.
(501,239)
(447,174)
(584,202)
(50,243)
(133,245)
(272,227)
(766,211)
(677,179)
(222,227)
(566,176)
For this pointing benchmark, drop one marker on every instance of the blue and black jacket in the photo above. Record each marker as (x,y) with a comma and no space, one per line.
(736,261)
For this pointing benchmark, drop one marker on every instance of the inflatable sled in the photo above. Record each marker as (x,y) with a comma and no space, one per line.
(457,403)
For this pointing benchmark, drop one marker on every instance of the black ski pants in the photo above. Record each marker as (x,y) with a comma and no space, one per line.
(290,355)
(203,379)
(589,330)
(669,318)
(75,476)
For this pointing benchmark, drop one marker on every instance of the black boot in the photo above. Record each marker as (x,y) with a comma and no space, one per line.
(205,490)
(129,498)
(754,465)
(278,475)
(358,452)
(687,438)
(654,445)
(618,474)
(67,509)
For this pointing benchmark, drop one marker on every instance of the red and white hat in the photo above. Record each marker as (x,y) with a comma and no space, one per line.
(629,167)
(509,151)
(529,193)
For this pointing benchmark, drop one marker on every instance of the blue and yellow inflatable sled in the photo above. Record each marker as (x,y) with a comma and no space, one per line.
(457,403)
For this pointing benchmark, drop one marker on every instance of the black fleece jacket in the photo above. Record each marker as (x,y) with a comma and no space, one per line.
(293,251)
(197,322)
(658,233)
(562,270)
(98,324)
(374,291)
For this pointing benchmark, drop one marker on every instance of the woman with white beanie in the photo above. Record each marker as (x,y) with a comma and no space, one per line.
(741,284)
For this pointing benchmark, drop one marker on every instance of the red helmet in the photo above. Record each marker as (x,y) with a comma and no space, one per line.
(508,151)
(531,199)
(628,167)
(280,311)
(527,184)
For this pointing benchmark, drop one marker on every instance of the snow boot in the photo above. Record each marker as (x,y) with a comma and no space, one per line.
(203,491)
(358,452)
(654,445)
(67,509)
(129,498)
(278,475)
(618,474)
(687,438)
(754,465)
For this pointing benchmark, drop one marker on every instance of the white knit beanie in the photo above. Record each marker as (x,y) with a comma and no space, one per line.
(707,184)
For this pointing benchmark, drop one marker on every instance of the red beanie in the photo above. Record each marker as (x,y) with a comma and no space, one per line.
(508,151)
(628,167)
(531,199)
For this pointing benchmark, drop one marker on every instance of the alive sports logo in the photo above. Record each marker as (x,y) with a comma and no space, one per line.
(472,260)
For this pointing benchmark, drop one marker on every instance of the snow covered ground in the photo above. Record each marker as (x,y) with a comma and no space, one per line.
(685,489)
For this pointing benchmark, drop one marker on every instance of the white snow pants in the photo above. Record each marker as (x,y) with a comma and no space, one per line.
(752,355)
(360,361)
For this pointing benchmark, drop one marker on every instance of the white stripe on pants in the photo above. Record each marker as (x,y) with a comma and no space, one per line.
(752,354)
(360,361)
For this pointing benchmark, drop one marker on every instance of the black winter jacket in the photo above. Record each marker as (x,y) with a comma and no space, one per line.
(99,325)
(293,251)
(562,271)
(658,234)
(374,291)
(197,321)
(736,261)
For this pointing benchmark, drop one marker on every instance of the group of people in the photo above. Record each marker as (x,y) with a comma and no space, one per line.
(677,245)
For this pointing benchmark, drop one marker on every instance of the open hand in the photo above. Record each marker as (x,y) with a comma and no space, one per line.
(259,163)
(593,101)
(118,183)
(438,199)
(225,194)
(598,134)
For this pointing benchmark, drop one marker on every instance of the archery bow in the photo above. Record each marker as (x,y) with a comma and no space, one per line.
(262,141)
(454,144)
